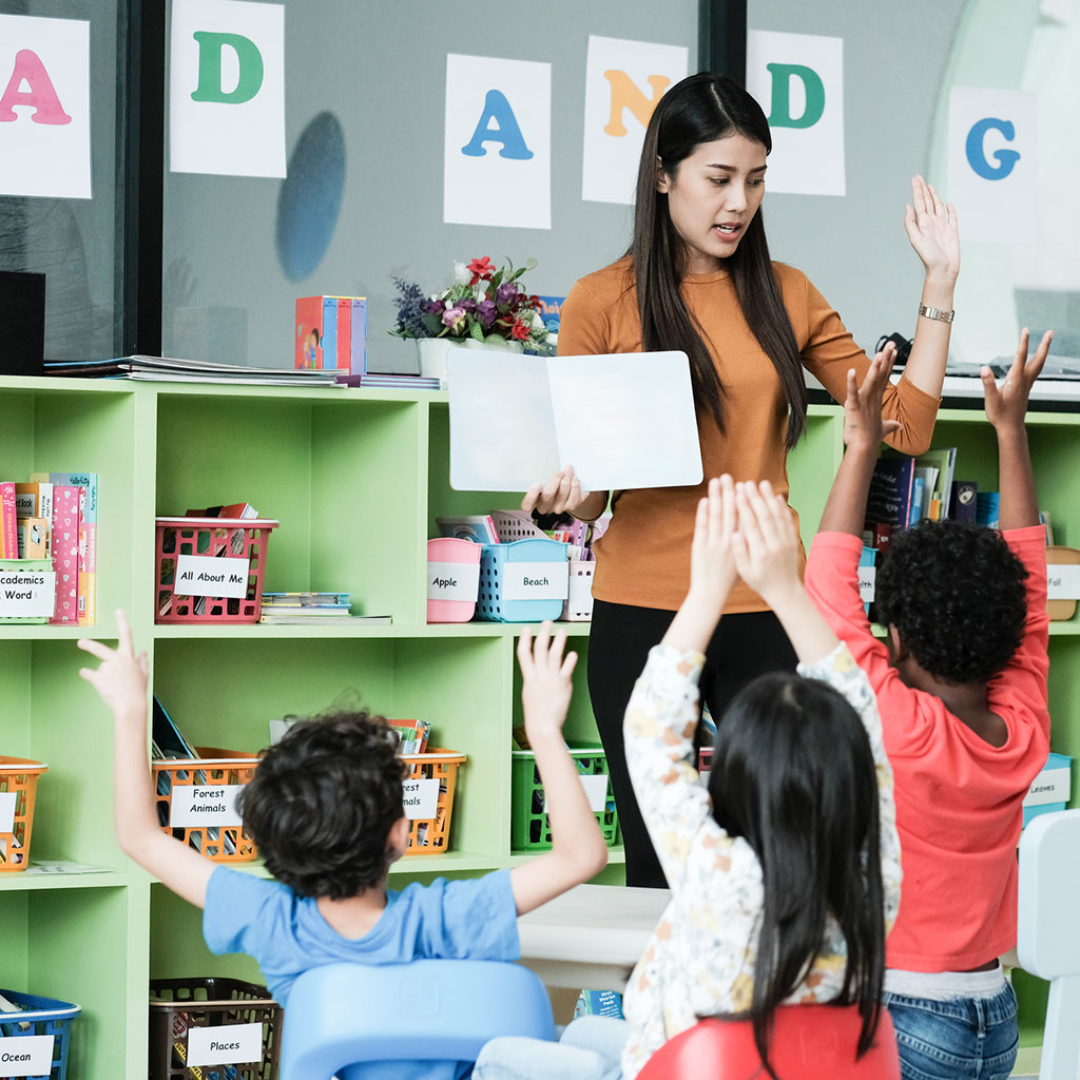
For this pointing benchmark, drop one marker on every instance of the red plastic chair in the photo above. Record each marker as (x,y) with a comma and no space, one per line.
(810,1042)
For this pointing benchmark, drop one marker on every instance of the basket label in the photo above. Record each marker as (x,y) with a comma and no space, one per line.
(1063,582)
(581,598)
(867,576)
(535,581)
(453,581)
(27,594)
(231,1044)
(201,575)
(421,799)
(212,804)
(8,801)
(595,791)
(1050,786)
(27,1055)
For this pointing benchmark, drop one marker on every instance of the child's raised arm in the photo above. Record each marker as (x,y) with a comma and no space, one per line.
(121,680)
(578,851)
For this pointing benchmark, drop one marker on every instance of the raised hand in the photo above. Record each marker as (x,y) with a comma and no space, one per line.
(864,427)
(766,545)
(123,677)
(546,686)
(561,493)
(933,229)
(1006,405)
(712,562)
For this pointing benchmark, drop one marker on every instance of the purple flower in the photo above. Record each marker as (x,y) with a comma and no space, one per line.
(451,316)
(468,305)
(507,294)
(432,307)
(487,312)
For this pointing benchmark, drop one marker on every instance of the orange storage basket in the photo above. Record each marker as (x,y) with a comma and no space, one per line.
(432,836)
(19,777)
(222,844)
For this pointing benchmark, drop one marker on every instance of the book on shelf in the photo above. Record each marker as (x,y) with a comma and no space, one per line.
(479,528)
(395,382)
(33,536)
(141,368)
(87,483)
(9,535)
(273,618)
(65,553)
(412,735)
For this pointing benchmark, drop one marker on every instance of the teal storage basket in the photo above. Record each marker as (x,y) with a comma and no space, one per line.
(493,606)
(41,1016)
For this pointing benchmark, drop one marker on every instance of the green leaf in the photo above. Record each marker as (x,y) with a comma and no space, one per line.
(433,323)
(476,330)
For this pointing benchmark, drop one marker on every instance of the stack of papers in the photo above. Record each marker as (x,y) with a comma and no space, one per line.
(164,369)
(311,609)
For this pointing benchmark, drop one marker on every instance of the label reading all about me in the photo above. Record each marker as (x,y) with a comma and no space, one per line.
(27,594)
(421,799)
(27,1055)
(193,807)
(200,575)
(232,1044)
(453,581)
(9,800)
(536,581)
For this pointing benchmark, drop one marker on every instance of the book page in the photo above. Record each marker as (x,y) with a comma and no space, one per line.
(626,420)
(502,428)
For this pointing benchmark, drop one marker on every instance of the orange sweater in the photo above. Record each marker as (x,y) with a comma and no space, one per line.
(644,557)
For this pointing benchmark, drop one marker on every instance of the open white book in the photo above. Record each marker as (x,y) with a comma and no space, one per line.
(622,421)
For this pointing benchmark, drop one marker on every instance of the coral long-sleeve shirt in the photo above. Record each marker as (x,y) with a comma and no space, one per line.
(958,799)
(644,557)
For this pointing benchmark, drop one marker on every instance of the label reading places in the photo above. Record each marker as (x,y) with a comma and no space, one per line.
(26,1055)
(214,805)
(201,575)
(1062,582)
(231,1044)
(536,581)
(9,800)
(453,581)
(421,799)
(27,594)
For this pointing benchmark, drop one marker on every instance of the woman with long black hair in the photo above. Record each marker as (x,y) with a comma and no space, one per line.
(698,278)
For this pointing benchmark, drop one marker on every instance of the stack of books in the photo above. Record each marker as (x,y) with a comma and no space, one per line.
(398,382)
(311,609)
(165,369)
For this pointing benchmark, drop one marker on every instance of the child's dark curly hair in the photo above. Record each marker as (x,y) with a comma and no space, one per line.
(322,801)
(955,593)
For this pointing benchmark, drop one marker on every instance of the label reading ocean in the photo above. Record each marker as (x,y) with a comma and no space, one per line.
(27,1055)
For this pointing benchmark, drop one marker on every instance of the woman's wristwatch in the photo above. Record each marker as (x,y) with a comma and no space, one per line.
(936,313)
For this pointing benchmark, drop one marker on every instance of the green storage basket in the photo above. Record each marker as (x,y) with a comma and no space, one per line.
(25,566)
(529,826)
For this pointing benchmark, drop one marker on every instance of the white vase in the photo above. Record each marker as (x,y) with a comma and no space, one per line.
(432,353)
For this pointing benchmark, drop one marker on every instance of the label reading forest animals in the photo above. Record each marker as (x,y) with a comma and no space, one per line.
(535,581)
(9,800)
(26,1055)
(27,594)
(209,805)
(230,1044)
(453,581)
(201,575)
(421,799)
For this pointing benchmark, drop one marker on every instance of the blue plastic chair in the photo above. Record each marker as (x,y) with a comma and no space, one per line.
(343,1015)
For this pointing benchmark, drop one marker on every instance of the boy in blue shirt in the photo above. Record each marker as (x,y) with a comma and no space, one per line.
(325,810)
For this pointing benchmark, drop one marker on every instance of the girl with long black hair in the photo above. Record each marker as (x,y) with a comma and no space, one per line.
(698,278)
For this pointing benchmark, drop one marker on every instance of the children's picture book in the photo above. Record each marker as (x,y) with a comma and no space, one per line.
(963,501)
(65,553)
(87,482)
(944,461)
(551,311)
(9,536)
(412,735)
(33,536)
(479,528)
(889,500)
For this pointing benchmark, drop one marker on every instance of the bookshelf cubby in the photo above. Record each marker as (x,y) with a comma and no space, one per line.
(356,478)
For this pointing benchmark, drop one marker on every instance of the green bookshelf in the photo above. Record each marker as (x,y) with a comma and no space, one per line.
(356,479)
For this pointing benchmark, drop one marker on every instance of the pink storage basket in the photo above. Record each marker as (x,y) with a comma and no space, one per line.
(451,592)
(227,539)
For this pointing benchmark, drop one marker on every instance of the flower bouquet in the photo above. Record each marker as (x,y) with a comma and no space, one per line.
(484,305)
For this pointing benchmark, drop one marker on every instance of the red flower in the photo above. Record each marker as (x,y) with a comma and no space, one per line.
(481,269)
(534,303)
(520,331)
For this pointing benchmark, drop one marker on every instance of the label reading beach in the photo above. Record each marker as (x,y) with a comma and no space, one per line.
(595,791)
(421,799)
(27,594)
(1063,582)
(26,1055)
(198,806)
(9,800)
(866,583)
(232,1044)
(536,581)
(201,575)
(453,581)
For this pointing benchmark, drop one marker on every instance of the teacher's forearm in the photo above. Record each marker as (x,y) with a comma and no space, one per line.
(591,507)
(930,349)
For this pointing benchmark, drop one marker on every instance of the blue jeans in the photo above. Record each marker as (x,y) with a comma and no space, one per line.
(590,1049)
(964,1039)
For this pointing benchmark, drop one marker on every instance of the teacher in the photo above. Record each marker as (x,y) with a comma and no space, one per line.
(698,278)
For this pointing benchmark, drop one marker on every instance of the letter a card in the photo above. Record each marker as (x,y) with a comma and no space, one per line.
(227,88)
(44,107)
(497,153)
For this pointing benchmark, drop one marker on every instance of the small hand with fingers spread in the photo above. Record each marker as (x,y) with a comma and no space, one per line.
(864,427)
(1007,404)
(123,678)
(712,561)
(933,229)
(546,686)
(766,544)
(561,493)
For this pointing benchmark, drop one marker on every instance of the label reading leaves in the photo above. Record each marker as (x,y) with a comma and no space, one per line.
(27,594)
(211,805)
(231,1044)
(536,581)
(200,575)
(27,1055)
(453,581)
(421,799)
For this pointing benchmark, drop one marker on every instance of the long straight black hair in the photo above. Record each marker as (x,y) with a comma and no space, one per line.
(701,109)
(793,774)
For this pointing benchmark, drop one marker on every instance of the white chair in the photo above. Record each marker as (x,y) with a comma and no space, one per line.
(1048,932)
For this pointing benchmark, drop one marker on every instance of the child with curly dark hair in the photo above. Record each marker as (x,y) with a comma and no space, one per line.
(325,809)
(961,683)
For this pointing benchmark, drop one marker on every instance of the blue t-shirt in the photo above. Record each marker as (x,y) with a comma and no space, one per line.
(286,934)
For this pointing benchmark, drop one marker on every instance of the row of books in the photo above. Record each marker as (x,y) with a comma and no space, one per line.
(412,735)
(54,516)
(313,609)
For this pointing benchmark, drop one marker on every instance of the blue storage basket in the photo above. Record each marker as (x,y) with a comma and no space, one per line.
(42,1016)
(491,606)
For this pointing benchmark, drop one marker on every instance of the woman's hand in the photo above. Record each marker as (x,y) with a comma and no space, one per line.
(932,229)
(864,428)
(562,493)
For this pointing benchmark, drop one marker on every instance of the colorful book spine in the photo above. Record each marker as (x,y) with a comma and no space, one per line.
(9,536)
(65,553)
(88,542)
(34,499)
(329,333)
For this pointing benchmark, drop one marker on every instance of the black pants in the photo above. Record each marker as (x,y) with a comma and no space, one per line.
(743,647)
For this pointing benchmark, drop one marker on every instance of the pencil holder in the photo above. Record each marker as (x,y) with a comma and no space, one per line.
(18,790)
(530,829)
(579,603)
(43,1017)
(223,556)
(524,581)
(195,1022)
(453,579)
(196,802)
(22,577)
(429,799)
